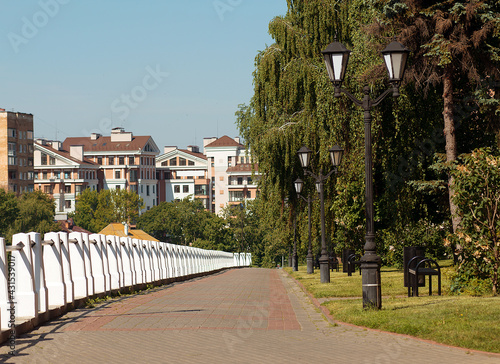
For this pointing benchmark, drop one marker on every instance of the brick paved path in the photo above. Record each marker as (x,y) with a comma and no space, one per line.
(238,316)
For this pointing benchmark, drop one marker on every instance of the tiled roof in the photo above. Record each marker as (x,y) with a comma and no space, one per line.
(66,154)
(194,154)
(104,143)
(117,229)
(224,141)
(244,167)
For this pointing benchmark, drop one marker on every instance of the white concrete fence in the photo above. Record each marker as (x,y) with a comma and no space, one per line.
(61,269)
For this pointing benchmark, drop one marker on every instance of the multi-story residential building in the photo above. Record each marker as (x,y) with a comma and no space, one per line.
(182,173)
(229,164)
(125,161)
(16,151)
(63,174)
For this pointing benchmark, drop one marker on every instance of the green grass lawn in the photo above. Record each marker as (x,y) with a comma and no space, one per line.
(464,321)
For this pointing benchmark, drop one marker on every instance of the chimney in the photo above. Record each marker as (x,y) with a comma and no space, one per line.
(207,141)
(95,136)
(237,140)
(76,151)
(120,135)
(125,228)
(57,145)
(168,149)
(193,148)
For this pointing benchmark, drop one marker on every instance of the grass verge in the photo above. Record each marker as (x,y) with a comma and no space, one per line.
(463,321)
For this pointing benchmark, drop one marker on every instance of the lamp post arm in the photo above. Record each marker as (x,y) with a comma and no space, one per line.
(379,99)
(308,172)
(302,197)
(330,173)
(350,96)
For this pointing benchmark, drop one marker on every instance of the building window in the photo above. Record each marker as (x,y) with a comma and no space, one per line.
(177,189)
(67,204)
(117,174)
(44,159)
(182,161)
(118,188)
(191,163)
(133,175)
(111,161)
(67,174)
(131,161)
(12,161)
(67,189)
(185,188)
(99,160)
(173,161)
(44,175)
(147,190)
(57,175)
(78,189)
(12,149)
(133,188)
(52,161)
(121,161)
(154,189)
(229,161)
(29,134)
(11,133)
(200,190)
(164,164)
(142,189)
(12,175)
(47,189)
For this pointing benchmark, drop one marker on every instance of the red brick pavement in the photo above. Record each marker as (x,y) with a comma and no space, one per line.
(238,316)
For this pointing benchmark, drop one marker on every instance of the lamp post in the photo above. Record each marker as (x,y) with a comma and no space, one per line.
(336,57)
(299,184)
(336,154)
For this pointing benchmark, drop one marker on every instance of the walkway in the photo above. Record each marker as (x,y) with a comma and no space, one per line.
(238,316)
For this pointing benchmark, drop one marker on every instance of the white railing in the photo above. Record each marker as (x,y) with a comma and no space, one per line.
(60,269)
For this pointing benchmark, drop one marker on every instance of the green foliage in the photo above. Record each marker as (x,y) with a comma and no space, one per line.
(35,212)
(9,210)
(477,195)
(95,210)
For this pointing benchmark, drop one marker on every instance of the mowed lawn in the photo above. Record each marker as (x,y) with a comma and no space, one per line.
(464,321)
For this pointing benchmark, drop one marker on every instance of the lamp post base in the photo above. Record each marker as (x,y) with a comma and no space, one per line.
(324,270)
(310,264)
(370,278)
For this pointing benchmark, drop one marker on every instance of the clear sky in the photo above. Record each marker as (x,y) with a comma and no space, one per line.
(172,69)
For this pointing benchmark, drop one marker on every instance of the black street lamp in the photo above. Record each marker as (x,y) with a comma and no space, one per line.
(336,58)
(299,184)
(336,154)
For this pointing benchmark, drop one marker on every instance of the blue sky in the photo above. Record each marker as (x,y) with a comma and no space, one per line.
(175,70)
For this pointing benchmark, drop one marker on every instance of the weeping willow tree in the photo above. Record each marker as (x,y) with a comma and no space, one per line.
(293,105)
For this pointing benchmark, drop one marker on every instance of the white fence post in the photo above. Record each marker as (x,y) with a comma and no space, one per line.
(66,263)
(4,287)
(25,297)
(52,262)
(77,259)
(126,261)
(113,262)
(97,262)
(38,271)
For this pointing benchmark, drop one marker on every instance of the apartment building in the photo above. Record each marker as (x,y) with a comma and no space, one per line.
(182,173)
(16,151)
(230,172)
(125,161)
(63,174)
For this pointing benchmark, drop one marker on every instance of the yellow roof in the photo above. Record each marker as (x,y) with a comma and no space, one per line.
(118,229)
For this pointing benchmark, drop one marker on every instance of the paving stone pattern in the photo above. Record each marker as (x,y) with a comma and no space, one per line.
(245,315)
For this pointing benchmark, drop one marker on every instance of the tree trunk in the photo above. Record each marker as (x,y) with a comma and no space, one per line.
(451,145)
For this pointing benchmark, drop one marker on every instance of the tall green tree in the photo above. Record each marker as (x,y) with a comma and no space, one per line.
(455,45)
